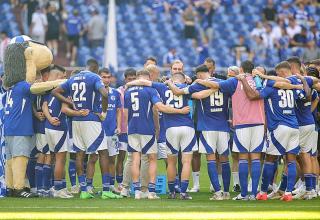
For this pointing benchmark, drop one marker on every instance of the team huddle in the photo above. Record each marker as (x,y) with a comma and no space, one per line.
(272,117)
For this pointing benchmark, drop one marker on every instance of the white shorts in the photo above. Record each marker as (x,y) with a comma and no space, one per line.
(42,143)
(123,142)
(249,139)
(88,136)
(211,142)
(181,138)
(308,138)
(315,146)
(57,140)
(70,144)
(283,140)
(146,144)
(162,151)
(113,145)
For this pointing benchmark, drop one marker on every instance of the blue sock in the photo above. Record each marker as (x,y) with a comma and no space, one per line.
(31,168)
(275,168)
(314,181)
(171,186)
(226,175)
(111,180)
(47,173)
(152,187)
(267,176)
(284,182)
(39,176)
(184,185)
(308,181)
(89,182)
(136,186)
(64,183)
(85,165)
(292,174)
(255,175)
(58,185)
(177,182)
(243,177)
(213,174)
(119,179)
(52,176)
(82,183)
(72,172)
(106,182)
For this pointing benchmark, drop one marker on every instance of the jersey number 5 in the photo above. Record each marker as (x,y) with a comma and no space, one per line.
(135,101)
(286,98)
(79,88)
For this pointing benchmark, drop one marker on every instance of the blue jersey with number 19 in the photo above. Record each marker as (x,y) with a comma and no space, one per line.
(18,111)
(213,111)
(84,91)
(279,105)
(139,101)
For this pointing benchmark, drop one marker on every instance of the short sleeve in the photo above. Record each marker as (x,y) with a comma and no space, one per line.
(314,95)
(66,86)
(154,95)
(228,86)
(126,100)
(160,87)
(270,83)
(265,92)
(196,88)
(309,81)
(26,89)
(118,101)
(98,83)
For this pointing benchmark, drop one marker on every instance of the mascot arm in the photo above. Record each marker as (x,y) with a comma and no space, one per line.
(42,87)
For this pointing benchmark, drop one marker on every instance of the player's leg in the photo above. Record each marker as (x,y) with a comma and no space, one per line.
(91,167)
(72,173)
(113,150)
(39,173)
(123,144)
(135,173)
(196,164)
(127,176)
(152,176)
(171,174)
(8,167)
(144,174)
(235,171)
(47,175)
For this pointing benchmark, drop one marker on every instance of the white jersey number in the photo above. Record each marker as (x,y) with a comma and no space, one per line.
(287,99)
(178,100)
(9,99)
(79,88)
(135,101)
(216,99)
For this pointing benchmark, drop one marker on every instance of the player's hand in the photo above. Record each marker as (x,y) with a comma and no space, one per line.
(185,110)
(188,80)
(299,87)
(54,121)
(168,82)
(40,116)
(84,112)
(157,133)
(256,72)
(117,131)
(240,76)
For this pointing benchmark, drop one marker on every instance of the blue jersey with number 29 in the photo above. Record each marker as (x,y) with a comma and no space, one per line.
(84,91)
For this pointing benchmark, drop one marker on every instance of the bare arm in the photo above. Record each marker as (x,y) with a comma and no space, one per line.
(65,108)
(306,88)
(57,92)
(251,94)
(314,104)
(203,94)
(53,120)
(169,110)
(285,85)
(119,111)
(274,78)
(104,92)
(175,90)
(125,116)
(139,82)
(209,84)
(42,87)
(316,87)
(156,121)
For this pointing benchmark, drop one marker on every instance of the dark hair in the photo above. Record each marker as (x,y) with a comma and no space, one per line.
(271,73)
(130,72)
(295,60)
(92,65)
(104,70)
(45,70)
(315,62)
(283,64)
(210,60)
(201,68)
(143,72)
(152,59)
(74,72)
(247,66)
(57,67)
(312,71)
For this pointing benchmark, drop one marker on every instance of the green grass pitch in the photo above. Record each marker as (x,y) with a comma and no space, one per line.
(198,208)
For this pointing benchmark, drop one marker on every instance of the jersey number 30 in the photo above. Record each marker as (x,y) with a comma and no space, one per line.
(286,98)
(79,89)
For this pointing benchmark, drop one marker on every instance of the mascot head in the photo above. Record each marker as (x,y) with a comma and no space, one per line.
(23,58)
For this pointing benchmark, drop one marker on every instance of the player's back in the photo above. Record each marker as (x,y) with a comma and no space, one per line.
(38,125)
(139,101)
(54,106)
(110,123)
(84,91)
(18,110)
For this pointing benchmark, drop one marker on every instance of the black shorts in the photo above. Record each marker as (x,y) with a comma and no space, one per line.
(52,35)
(74,39)
(190,32)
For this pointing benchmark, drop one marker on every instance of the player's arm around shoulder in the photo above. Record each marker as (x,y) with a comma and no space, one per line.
(52,120)
(252,94)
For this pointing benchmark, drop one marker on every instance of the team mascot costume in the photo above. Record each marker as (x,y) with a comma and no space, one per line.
(23,59)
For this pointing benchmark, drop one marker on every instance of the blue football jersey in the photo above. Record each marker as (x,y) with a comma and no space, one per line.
(303,109)
(162,132)
(69,124)
(139,101)
(18,110)
(228,86)
(213,111)
(54,106)
(114,103)
(279,106)
(84,91)
(174,120)
(37,124)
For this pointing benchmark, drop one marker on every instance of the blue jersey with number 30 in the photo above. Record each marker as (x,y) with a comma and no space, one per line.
(139,101)
(84,91)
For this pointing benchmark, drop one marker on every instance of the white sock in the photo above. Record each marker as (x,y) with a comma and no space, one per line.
(196,179)
(235,176)
(220,179)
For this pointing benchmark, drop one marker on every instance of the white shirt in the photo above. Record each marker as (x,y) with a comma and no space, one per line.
(40,22)
(293,30)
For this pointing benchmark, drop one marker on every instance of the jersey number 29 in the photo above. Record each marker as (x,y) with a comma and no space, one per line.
(178,100)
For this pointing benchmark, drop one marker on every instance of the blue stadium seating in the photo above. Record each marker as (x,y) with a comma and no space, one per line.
(8,21)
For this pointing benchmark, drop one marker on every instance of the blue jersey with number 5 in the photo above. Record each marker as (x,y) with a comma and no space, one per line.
(280,106)
(18,111)
(84,91)
(139,101)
